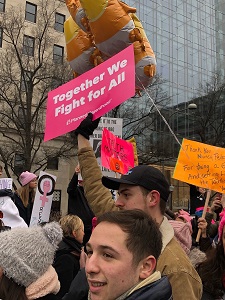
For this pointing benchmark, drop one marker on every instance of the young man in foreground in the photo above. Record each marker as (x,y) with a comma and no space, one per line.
(121,262)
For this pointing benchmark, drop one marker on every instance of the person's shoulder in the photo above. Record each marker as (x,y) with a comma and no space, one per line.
(175,252)
(174,260)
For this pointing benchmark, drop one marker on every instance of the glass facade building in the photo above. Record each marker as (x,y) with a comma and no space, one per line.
(188,38)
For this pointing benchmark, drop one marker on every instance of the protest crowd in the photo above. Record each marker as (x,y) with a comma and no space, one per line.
(119,240)
(131,247)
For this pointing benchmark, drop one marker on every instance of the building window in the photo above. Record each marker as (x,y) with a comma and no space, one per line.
(31,12)
(19,163)
(28,45)
(52,163)
(1,35)
(2,5)
(59,21)
(58,54)
(25,80)
(56,200)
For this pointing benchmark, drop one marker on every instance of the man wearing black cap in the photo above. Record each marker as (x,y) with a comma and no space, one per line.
(145,188)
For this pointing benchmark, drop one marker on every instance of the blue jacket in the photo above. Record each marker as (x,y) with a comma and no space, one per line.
(158,290)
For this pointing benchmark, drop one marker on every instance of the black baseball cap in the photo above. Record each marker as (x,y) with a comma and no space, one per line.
(145,176)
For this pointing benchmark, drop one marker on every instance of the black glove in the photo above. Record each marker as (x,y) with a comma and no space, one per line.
(87,126)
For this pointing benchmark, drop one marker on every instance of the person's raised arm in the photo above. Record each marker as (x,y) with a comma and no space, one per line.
(98,196)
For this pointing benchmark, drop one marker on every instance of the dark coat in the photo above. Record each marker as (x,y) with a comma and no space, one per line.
(79,287)
(158,290)
(50,297)
(7,192)
(78,205)
(67,262)
(25,212)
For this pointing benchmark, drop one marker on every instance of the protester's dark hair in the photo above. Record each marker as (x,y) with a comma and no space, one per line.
(211,271)
(11,290)
(162,203)
(143,235)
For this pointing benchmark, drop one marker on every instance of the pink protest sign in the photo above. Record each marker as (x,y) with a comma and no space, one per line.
(116,154)
(98,91)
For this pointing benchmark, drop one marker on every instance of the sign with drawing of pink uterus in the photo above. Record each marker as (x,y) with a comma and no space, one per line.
(98,91)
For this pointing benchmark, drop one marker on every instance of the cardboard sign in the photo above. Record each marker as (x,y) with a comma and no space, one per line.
(98,91)
(5,183)
(117,154)
(201,165)
(43,199)
(115,125)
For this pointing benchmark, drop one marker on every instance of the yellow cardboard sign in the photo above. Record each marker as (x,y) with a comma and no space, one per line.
(201,165)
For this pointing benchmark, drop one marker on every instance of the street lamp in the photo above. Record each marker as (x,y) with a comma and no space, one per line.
(192,106)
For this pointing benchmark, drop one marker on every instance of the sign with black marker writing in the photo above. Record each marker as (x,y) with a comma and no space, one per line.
(201,165)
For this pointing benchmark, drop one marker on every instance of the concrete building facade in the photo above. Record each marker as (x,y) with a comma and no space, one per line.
(34,14)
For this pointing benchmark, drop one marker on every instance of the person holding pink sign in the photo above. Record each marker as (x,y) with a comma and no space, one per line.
(145,188)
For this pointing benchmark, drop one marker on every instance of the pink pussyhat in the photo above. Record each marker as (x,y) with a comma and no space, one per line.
(221,225)
(184,215)
(26,177)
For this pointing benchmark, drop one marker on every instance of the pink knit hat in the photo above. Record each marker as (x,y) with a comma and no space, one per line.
(184,215)
(182,232)
(26,177)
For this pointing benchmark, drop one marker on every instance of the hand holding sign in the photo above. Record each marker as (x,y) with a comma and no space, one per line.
(87,126)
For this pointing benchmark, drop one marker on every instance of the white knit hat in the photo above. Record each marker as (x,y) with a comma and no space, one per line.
(27,253)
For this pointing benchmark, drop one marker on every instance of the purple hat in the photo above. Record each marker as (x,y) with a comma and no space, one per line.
(146,176)
(26,177)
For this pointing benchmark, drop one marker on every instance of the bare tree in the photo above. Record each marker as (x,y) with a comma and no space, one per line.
(139,119)
(209,121)
(27,74)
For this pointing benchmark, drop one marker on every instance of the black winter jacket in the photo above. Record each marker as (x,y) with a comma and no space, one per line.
(158,290)
(7,192)
(78,205)
(50,297)
(67,262)
(79,287)
(25,212)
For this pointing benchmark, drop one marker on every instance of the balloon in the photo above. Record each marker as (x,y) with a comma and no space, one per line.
(106,27)
(110,24)
(145,62)
(79,47)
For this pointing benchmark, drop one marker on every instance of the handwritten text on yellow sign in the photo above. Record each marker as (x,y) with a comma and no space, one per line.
(201,165)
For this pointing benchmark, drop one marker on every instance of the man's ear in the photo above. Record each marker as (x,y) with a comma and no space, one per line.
(153,198)
(147,267)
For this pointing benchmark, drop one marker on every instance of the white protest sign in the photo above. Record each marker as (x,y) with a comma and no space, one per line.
(43,199)
(115,126)
(5,183)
